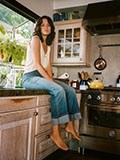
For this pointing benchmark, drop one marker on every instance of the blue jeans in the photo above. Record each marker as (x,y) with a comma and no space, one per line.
(64,105)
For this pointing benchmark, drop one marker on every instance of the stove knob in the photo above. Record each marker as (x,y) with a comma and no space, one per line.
(89,97)
(113,99)
(98,98)
(112,133)
(118,99)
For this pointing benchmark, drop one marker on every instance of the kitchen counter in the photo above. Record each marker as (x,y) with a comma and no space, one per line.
(117,89)
(110,89)
(24,92)
(20,92)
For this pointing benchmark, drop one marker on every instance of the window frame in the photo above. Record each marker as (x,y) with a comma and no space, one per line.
(22,10)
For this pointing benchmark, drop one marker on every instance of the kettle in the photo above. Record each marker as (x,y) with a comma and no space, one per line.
(96,84)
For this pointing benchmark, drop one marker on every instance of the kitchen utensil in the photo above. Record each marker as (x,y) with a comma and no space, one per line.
(96,84)
(100,63)
(97,81)
(97,75)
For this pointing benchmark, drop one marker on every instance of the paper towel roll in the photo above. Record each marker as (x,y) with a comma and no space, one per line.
(64,76)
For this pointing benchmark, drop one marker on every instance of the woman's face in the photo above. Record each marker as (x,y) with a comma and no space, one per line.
(45,27)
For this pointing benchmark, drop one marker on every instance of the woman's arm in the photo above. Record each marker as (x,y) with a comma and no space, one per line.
(35,47)
(49,67)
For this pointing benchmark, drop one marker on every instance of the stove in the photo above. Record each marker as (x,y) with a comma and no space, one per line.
(100,124)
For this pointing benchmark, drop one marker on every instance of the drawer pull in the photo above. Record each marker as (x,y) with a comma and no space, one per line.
(48,136)
(35,113)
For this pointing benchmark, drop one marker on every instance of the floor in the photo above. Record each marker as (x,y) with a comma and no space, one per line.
(89,155)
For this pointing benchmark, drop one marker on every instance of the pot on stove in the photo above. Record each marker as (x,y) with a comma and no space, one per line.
(96,84)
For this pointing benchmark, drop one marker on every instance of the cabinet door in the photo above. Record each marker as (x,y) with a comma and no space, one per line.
(70,43)
(16,135)
(43,119)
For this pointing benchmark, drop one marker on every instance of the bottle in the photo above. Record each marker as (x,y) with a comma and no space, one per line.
(11,79)
(118,81)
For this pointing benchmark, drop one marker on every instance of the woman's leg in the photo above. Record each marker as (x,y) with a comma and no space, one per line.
(72,103)
(58,102)
(73,109)
(59,111)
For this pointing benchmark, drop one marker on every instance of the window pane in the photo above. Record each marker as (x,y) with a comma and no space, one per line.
(17,33)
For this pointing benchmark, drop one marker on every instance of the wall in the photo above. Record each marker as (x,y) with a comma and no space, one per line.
(110,54)
(40,7)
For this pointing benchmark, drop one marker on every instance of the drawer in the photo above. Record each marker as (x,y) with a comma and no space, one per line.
(44,146)
(43,120)
(43,100)
(17,103)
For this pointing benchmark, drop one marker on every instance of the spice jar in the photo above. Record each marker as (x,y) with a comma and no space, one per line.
(75,84)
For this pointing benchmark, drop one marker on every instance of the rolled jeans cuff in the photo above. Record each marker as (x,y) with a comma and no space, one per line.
(66,118)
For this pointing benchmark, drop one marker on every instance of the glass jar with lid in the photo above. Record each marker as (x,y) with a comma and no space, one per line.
(75,84)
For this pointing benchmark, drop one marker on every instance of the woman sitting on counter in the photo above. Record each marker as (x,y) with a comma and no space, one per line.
(38,75)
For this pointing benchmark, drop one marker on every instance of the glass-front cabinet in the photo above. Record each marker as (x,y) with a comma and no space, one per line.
(70,46)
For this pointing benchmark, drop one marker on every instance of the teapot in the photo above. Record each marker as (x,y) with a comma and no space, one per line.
(96,84)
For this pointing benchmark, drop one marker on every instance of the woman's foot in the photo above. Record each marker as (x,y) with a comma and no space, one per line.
(59,142)
(57,139)
(70,129)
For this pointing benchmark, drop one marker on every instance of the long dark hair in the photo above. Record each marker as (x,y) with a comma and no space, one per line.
(37,30)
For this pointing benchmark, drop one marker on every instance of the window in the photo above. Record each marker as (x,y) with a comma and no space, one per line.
(16,27)
(16,31)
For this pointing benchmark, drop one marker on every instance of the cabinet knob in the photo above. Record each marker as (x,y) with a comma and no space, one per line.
(35,113)
(48,136)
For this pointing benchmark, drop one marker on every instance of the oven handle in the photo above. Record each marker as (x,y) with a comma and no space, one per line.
(113,107)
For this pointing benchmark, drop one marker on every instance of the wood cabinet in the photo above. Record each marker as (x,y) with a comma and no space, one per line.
(25,128)
(43,144)
(71,43)
(17,128)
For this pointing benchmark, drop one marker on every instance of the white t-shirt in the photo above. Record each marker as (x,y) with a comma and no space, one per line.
(30,64)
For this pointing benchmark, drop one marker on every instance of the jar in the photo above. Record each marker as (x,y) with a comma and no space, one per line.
(75,84)
(11,79)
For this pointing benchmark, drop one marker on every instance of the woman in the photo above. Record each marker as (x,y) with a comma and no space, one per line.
(38,75)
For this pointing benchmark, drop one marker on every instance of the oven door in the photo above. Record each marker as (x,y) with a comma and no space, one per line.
(101,121)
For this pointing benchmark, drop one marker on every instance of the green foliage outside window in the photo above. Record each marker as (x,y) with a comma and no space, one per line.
(10,48)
